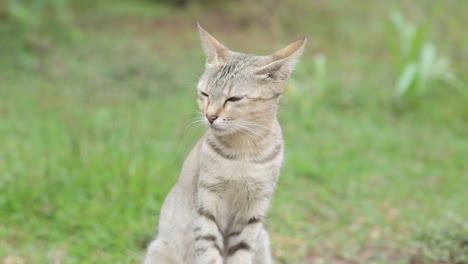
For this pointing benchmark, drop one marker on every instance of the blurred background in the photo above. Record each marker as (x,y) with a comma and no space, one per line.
(97,100)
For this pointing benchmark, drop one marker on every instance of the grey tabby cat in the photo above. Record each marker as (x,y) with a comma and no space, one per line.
(214,213)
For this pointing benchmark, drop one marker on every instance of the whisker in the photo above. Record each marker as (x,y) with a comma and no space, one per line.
(246,132)
(249,129)
(192,125)
(253,124)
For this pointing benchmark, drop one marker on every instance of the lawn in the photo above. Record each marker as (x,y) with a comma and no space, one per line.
(95,121)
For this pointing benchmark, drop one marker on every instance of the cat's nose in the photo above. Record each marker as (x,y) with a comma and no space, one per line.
(211,118)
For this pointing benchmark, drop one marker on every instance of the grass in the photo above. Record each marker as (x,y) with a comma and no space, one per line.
(416,60)
(94,130)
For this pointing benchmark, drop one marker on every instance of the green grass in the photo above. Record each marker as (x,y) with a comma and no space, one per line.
(93,131)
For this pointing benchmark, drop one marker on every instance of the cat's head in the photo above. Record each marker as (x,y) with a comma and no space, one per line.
(240,92)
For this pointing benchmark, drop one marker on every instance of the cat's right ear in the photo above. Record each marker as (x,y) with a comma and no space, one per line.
(215,52)
(279,65)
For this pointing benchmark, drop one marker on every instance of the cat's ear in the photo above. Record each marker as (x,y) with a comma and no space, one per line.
(215,52)
(280,64)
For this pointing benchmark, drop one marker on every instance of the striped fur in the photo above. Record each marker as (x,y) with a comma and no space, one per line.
(214,214)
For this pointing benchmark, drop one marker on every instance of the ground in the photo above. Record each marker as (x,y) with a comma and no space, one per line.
(95,123)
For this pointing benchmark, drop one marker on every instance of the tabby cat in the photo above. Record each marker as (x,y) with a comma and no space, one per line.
(214,213)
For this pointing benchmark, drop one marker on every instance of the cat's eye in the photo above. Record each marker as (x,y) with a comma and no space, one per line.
(204,94)
(233,99)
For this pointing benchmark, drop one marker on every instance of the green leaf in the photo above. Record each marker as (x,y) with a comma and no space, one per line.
(426,67)
(320,72)
(406,80)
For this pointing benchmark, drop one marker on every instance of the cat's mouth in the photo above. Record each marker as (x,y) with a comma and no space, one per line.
(219,128)
(216,127)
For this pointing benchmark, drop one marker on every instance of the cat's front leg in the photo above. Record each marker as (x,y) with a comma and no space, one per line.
(208,237)
(243,243)
(263,253)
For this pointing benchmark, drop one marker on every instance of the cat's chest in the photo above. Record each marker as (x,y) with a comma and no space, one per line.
(236,173)
(235,168)
(242,190)
(240,178)
(238,181)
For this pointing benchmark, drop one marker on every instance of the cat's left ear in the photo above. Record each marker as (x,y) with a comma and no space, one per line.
(280,64)
(215,52)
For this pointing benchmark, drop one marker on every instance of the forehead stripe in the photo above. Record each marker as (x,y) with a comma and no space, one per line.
(226,70)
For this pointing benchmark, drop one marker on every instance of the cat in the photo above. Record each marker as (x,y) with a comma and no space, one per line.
(214,213)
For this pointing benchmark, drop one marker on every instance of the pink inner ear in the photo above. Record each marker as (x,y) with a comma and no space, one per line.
(279,64)
(270,69)
(279,70)
(289,50)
